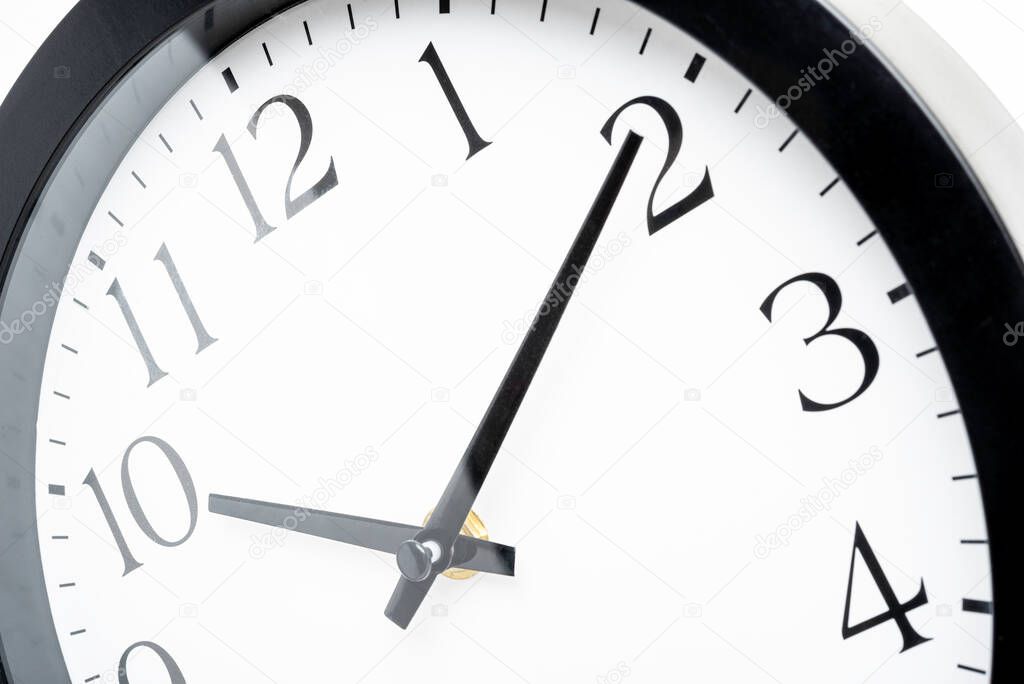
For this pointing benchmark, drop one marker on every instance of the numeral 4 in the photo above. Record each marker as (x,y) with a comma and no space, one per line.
(897,611)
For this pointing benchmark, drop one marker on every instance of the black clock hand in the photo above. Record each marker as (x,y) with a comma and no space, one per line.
(428,554)
(379,535)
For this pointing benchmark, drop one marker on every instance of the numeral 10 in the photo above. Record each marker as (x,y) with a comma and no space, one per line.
(135,507)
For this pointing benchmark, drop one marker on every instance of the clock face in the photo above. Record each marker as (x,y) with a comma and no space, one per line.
(741,458)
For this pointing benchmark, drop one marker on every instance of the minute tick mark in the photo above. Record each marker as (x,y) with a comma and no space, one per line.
(976,606)
(828,188)
(789,140)
(593,24)
(867,237)
(696,64)
(97,261)
(231,81)
(898,294)
(744,100)
(647,39)
(971,669)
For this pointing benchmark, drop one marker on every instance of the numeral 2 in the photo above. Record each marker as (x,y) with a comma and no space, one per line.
(897,611)
(863,343)
(135,507)
(203,337)
(702,193)
(328,182)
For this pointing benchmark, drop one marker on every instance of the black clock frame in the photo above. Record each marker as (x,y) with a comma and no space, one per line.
(946,236)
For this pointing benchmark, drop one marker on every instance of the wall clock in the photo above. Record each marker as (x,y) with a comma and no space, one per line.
(530,340)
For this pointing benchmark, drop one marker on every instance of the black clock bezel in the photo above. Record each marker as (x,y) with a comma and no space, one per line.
(953,247)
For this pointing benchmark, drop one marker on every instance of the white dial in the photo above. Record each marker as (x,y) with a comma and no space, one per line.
(742,397)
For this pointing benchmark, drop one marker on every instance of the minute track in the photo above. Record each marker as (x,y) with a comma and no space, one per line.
(719,90)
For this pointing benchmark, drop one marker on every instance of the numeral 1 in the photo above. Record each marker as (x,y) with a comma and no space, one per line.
(476,143)
(203,337)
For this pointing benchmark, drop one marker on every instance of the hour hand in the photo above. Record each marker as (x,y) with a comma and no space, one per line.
(378,535)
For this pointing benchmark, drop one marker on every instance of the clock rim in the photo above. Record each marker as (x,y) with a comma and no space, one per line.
(879,137)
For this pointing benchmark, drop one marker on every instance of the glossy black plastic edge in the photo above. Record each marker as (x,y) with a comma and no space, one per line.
(953,248)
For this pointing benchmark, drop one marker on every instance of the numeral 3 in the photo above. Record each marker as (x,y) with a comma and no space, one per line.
(863,343)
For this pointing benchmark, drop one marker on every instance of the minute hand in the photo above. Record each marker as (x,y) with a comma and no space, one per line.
(458,498)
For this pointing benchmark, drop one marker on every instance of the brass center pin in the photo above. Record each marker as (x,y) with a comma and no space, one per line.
(473,527)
